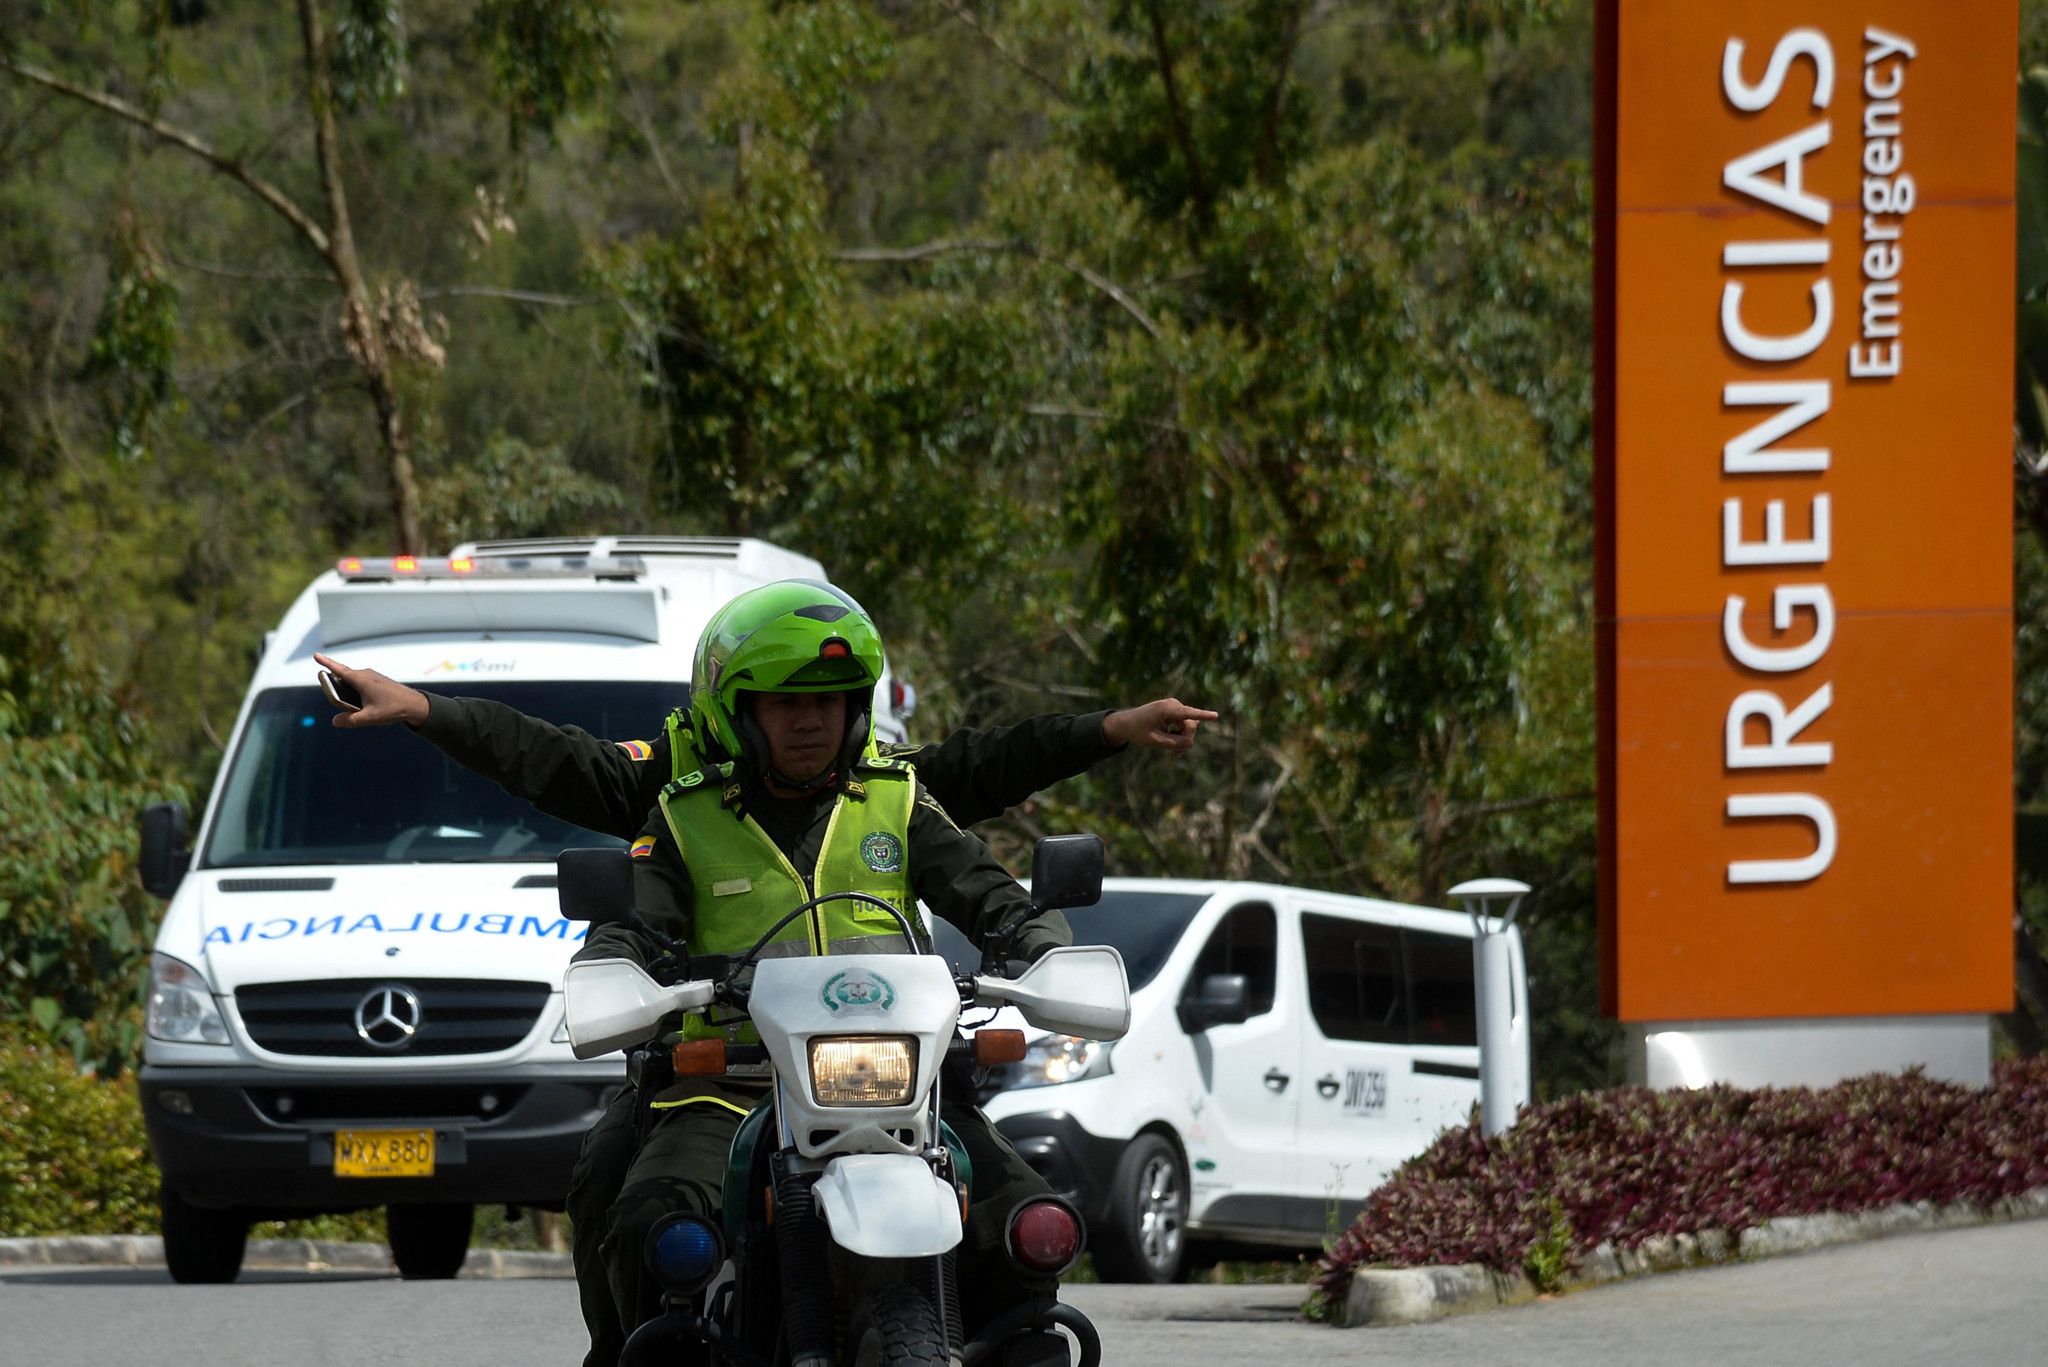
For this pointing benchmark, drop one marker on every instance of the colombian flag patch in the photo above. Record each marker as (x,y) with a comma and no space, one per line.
(635,749)
(642,847)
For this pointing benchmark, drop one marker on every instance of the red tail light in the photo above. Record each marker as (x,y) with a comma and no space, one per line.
(1045,1236)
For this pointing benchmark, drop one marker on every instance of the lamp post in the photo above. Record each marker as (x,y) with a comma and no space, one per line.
(1493,991)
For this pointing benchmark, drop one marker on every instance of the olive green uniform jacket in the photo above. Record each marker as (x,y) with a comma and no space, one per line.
(611,786)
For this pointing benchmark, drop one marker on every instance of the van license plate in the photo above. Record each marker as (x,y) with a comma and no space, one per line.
(384,1153)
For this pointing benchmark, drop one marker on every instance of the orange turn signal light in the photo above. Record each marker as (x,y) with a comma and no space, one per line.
(700,1058)
(998,1046)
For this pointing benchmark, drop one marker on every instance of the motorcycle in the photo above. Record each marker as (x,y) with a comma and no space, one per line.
(845,1194)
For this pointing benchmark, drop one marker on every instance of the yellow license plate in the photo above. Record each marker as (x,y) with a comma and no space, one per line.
(384,1153)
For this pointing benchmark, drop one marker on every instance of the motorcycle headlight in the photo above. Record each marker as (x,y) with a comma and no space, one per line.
(1057,1058)
(181,1006)
(863,1070)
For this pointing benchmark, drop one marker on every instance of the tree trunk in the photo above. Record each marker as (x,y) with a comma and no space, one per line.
(1429,846)
(359,319)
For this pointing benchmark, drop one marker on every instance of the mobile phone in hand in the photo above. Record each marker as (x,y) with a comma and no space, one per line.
(340,692)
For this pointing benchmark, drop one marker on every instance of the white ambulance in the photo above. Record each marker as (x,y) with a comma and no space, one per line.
(356,995)
(1288,1049)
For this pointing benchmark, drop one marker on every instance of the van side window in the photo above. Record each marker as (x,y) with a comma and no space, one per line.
(1380,985)
(1440,986)
(1246,941)
(1355,990)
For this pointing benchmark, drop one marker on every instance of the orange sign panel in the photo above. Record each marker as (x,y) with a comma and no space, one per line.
(1805,562)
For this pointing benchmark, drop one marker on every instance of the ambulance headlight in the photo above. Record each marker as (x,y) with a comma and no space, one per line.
(863,1070)
(1052,1059)
(181,1006)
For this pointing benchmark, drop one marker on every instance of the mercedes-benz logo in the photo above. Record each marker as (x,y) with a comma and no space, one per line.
(388,1017)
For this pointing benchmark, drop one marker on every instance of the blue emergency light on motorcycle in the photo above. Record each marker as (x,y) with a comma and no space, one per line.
(684,1251)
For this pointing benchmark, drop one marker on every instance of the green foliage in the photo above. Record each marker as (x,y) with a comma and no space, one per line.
(547,57)
(512,490)
(814,58)
(74,926)
(73,1155)
(74,1159)
(1441,22)
(369,52)
(1186,104)
(136,339)
(1549,1259)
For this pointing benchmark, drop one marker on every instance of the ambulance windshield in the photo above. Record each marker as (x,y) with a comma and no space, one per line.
(301,791)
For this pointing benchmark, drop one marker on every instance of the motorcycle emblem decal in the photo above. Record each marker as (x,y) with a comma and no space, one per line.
(858,993)
(882,852)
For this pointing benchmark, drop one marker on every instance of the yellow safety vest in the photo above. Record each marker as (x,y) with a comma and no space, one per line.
(741,883)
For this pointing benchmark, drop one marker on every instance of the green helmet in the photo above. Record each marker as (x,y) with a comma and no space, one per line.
(793,636)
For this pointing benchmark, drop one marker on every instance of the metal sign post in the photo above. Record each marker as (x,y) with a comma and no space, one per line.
(1494,994)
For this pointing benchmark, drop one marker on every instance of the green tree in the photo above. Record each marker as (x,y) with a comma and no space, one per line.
(543,56)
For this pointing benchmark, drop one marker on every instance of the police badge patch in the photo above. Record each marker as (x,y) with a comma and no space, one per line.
(882,852)
(858,993)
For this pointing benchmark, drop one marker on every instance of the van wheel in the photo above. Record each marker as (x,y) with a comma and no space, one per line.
(429,1242)
(1145,1238)
(201,1247)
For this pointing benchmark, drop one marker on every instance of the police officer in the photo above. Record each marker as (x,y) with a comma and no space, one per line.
(796,804)
(610,787)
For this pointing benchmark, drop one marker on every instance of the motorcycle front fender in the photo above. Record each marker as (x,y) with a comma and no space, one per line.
(888,1205)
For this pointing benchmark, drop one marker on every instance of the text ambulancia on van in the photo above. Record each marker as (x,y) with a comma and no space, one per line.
(1288,1049)
(356,995)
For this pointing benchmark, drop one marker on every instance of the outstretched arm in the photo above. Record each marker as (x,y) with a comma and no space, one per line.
(977,775)
(600,785)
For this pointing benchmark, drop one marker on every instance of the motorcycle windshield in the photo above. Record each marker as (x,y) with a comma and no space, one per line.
(301,791)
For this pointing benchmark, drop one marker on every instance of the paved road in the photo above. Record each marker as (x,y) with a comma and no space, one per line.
(1963,1296)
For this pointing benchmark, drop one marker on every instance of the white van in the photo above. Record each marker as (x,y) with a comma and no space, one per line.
(1288,1049)
(356,992)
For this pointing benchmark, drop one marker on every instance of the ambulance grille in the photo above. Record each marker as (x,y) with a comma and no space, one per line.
(456,1016)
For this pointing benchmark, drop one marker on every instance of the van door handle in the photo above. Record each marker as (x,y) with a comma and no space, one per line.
(1277,1080)
(1327,1086)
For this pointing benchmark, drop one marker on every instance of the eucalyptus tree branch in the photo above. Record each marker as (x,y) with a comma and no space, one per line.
(645,126)
(1465,811)
(326,386)
(924,251)
(1079,414)
(560,301)
(1269,137)
(1178,112)
(359,323)
(949,247)
(231,273)
(232,167)
(966,16)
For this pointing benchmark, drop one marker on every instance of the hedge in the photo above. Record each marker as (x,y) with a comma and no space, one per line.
(74,1157)
(1624,1165)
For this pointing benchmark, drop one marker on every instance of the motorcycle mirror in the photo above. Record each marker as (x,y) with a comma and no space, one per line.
(595,885)
(612,1003)
(1066,871)
(1075,990)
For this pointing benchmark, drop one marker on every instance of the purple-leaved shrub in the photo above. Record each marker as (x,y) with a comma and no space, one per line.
(1627,1164)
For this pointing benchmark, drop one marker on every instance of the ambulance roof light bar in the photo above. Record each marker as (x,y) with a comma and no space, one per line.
(358,569)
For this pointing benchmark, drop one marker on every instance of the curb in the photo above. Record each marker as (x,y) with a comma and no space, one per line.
(1417,1295)
(270,1255)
